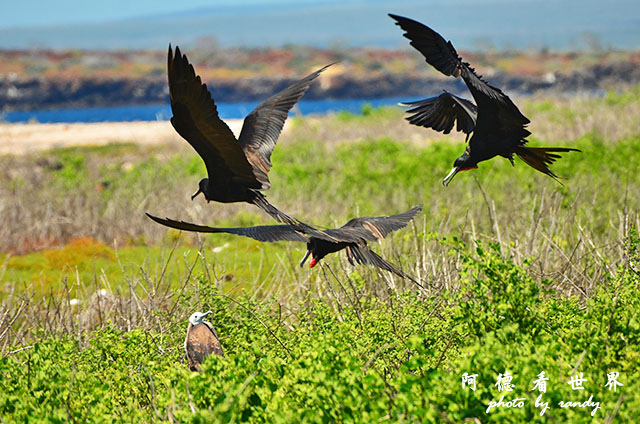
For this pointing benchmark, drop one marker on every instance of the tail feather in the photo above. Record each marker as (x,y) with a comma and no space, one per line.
(260,201)
(541,157)
(364,255)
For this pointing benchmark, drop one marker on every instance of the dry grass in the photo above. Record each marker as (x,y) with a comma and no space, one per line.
(573,117)
(563,118)
(574,234)
(153,298)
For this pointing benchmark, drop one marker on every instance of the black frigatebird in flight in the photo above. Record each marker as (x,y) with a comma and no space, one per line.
(237,168)
(498,126)
(353,237)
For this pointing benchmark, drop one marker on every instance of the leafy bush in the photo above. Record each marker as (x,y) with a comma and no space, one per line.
(401,359)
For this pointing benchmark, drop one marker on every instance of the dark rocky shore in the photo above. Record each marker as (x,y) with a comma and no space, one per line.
(40,93)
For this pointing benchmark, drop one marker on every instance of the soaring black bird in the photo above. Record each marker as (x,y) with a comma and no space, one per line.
(498,126)
(353,237)
(237,168)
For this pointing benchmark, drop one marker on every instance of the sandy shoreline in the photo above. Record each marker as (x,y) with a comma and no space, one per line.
(19,139)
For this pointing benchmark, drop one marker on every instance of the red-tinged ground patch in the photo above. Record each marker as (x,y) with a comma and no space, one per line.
(30,244)
(85,265)
(78,253)
(45,268)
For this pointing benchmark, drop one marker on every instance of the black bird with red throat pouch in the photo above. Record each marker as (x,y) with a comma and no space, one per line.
(497,124)
(352,237)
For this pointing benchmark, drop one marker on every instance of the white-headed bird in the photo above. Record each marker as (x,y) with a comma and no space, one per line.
(201,340)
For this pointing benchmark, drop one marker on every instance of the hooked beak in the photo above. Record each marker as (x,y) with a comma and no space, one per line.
(306,255)
(194,196)
(207,313)
(450,175)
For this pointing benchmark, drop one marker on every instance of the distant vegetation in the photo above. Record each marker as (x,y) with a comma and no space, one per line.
(523,275)
(233,63)
(43,79)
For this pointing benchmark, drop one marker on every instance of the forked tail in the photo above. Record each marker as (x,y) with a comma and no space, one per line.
(364,255)
(260,201)
(541,157)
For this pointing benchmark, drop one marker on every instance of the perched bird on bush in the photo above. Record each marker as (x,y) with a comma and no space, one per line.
(201,340)
(497,124)
(237,168)
(353,237)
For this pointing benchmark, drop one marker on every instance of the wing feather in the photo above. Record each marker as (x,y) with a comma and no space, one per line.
(443,112)
(201,341)
(443,56)
(362,254)
(263,125)
(264,233)
(374,228)
(195,118)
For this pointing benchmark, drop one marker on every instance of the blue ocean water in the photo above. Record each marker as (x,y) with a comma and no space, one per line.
(162,112)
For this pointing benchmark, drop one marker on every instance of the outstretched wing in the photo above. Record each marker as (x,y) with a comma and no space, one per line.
(438,52)
(195,118)
(442,112)
(263,125)
(374,228)
(495,109)
(364,255)
(266,233)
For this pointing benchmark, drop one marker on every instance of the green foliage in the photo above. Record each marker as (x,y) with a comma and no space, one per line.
(73,170)
(394,360)
(367,113)
(622,98)
(373,358)
(372,178)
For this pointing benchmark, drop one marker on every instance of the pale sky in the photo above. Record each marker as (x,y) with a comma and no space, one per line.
(21,13)
(144,24)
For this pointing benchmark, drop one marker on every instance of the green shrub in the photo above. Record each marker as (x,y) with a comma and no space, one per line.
(371,361)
